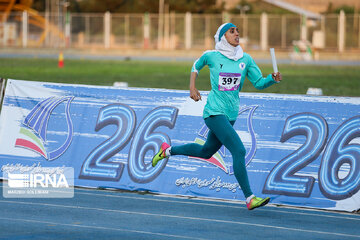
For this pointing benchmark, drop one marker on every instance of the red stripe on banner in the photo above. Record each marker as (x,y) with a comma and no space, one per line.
(27,144)
(213,161)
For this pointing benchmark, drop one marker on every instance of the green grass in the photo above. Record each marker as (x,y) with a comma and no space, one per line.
(334,80)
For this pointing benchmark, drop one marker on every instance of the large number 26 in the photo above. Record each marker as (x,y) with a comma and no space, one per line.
(98,166)
(282,179)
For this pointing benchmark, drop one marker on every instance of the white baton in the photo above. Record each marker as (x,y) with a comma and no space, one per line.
(273,60)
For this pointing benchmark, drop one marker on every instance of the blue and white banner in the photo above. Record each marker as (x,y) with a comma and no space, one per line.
(301,150)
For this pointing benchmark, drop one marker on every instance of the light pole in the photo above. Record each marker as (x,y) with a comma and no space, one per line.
(243,8)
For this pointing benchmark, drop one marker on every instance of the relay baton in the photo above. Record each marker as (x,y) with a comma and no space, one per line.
(273,60)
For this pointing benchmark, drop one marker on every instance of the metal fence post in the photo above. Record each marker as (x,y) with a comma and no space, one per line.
(161,25)
(303,31)
(47,27)
(323,19)
(264,31)
(107,29)
(87,28)
(25,25)
(245,26)
(358,30)
(67,29)
(146,30)
(225,17)
(188,29)
(208,39)
(127,29)
(303,28)
(283,31)
(341,31)
(166,27)
(173,41)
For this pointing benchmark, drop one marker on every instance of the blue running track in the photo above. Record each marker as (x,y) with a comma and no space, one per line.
(103,214)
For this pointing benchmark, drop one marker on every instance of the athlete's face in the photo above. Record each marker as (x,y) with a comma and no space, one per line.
(232,36)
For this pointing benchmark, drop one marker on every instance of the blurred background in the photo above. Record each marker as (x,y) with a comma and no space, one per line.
(308,30)
(153,43)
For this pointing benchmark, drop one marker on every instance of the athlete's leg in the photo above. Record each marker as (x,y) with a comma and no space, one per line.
(226,134)
(211,146)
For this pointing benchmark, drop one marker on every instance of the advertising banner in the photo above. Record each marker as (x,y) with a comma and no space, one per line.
(301,150)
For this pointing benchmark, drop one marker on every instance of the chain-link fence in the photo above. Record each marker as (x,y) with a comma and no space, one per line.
(176,31)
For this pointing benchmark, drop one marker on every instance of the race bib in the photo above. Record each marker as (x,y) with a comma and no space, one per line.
(229,81)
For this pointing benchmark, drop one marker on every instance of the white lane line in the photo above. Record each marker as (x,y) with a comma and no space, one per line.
(183,217)
(96,227)
(222,204)
(226,205)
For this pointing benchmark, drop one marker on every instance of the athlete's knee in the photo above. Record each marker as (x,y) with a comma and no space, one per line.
(238,159)
(238,151)
(242,151)
(206,152)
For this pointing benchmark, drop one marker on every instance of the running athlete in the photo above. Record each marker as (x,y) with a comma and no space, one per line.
(229,66)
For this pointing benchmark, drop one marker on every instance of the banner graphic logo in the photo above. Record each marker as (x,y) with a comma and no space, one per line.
(33,132)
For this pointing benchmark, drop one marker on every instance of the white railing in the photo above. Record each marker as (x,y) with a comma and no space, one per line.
(177,31)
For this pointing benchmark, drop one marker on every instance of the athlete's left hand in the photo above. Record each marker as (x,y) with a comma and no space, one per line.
(277,76)
(195,94)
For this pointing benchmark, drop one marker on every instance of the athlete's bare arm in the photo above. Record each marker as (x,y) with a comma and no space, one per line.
(194,93)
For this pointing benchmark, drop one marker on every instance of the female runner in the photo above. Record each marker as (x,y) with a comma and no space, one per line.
(229,66)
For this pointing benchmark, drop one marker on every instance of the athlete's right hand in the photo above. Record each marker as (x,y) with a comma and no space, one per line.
(195,94)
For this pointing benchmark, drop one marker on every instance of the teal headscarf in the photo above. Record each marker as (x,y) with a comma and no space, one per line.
(226,27)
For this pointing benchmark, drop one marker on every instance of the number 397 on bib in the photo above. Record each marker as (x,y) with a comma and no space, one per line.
(229,81)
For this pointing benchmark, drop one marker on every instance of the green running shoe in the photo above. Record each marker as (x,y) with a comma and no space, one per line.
(256,202)
(161,154)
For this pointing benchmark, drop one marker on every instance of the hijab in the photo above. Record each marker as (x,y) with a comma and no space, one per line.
(225,48)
